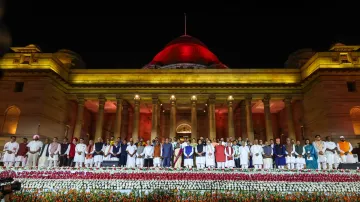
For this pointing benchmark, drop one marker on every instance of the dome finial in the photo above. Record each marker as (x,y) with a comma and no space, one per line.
(185,23)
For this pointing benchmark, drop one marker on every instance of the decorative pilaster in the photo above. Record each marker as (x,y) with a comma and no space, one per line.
(135,132)
(231,130)
(117,127)
(125,121)
(243,119)
(249,120)
(290,122)
(79,117)
(194,117)
(268,120)
(172,117)
(154,117)
(100,119)
(211,112)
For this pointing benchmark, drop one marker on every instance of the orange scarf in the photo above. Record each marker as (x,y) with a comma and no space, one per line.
(89,148)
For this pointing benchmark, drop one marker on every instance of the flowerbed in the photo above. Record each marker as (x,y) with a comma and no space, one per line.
(266,176)
(73,195)
(111,183)
(118,185)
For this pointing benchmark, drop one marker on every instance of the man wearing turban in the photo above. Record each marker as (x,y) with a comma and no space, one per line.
(34,148)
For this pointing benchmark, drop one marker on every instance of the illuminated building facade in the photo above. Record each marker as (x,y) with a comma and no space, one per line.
(184,91)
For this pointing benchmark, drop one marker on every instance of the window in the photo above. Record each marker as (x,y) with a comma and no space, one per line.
(26,60)
(351,86)
(19,87)
(344,58)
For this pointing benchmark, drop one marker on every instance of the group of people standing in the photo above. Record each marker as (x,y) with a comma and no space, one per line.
(176,153)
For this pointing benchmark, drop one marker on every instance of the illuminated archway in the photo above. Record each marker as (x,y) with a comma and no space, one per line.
(12,115)
(355,118)
(183,128)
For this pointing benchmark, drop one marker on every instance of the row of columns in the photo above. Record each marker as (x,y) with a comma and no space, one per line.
(245,105)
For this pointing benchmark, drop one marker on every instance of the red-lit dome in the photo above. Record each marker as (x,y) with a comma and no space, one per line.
(185,52)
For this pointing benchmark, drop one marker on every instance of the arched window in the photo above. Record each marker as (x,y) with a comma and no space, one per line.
(355,118)
(12,115)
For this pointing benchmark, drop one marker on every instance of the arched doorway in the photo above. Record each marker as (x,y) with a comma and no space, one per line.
(355,118)
(183,131)
(12,115)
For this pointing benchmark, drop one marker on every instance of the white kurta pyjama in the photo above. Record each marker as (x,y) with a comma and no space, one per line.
(90,160)
(229,152)
(98,158)
(330,156)
(107,150)
(80,158)
(209,157)
(257,149)
(14,148)
(56,153)
(244,155)
(189,162)
(300,160)
(291,158)
(43,158)
(200,159)
(320,146)
(131,160)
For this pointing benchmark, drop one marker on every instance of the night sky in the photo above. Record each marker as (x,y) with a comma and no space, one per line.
(131,41)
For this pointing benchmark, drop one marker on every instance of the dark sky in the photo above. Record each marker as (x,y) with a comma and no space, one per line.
(131,41)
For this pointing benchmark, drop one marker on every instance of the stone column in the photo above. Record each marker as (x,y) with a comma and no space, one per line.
(154,118)
(289,115)
(211,113)
(249,121)
(194,117)
(135,132)
(172,117)
(125,121)
(79,117)
(268,119)
(243,119)
(231,131)
(117,127)
(100,118)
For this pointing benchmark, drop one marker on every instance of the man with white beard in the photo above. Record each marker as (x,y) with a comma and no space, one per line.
(330,152)
(34,148)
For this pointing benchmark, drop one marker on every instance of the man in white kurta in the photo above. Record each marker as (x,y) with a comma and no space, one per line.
(79,158)
(54,151)
(200,151)
(11,148)
(290,154)
(148,154)
(244,152)
(210,156)
(34,148)
(256,152)
(320,149)
(229,153)
(44,155)
(331,149)
(89,158)
(131,157)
